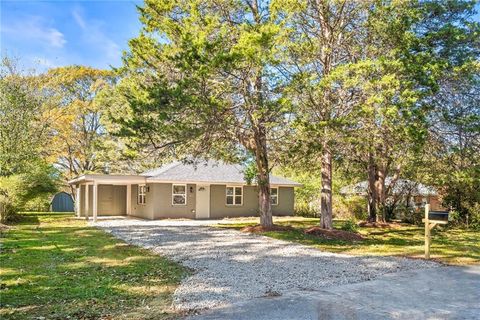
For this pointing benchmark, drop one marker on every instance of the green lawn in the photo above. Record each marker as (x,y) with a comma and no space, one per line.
(56,267)
(452,246)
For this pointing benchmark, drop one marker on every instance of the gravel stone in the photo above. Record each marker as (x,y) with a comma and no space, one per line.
(230,265)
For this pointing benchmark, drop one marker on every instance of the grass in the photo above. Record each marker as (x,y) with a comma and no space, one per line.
(57,267)
(450,246)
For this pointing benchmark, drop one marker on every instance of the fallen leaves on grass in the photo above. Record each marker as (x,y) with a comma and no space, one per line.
(334,234)
(260,229)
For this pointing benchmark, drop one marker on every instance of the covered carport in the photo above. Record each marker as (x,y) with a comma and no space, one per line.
(104,195)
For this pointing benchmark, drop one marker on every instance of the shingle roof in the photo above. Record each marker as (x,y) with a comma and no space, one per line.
(206,171)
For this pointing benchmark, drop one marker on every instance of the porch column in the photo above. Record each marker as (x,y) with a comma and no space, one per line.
(129,199)
(78,199)
(95,200)
(87,201)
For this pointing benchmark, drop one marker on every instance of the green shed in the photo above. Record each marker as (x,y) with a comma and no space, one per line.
(62,202)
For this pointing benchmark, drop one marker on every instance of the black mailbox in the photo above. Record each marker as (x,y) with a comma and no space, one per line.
(438,215)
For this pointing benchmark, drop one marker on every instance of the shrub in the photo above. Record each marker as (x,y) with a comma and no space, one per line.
(474,216)
(350,207)
(350,225)
(306,210)
(17,191)
(412,216)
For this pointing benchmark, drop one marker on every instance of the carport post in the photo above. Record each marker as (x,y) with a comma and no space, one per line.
(78,199)
(95,200)
(129,199)
(87,201)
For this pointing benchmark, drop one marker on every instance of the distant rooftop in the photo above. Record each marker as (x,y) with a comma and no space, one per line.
(401,186)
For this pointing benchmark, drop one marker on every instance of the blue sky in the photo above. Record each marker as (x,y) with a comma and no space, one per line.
(44,34)
(53,33)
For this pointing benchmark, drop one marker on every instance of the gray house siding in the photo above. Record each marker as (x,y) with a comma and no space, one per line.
(219,209)
(144,211)
(112,201)
(286,199)
(158,203)
(163,207)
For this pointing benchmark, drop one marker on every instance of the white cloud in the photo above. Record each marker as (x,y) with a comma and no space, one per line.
(93,34)
(34,28)
(77,14)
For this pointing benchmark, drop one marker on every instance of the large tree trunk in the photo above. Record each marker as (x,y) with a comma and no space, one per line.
(264,203)
(380,193)
(326,195)
(372,199)
(263,178)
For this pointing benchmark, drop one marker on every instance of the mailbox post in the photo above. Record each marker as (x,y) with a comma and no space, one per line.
(432,218)
(428,236)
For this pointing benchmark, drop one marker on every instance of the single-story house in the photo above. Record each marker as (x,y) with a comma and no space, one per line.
(412,193)
(206,190)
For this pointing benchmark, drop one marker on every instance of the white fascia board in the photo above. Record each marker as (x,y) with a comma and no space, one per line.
(108,179)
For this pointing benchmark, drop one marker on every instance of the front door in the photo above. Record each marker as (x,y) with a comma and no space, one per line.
(202,207)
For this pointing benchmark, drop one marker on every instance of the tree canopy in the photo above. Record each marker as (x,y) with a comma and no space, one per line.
(333,90)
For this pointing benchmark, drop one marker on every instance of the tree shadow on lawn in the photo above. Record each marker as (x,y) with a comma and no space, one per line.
(80,272)
(448,245)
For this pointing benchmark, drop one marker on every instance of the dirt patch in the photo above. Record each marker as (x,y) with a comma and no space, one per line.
(259,228)
(334,234)
(382,225)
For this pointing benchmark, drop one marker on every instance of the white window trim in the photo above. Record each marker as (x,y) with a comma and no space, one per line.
(278,194)
(234,195)
(144,194)
(179,194)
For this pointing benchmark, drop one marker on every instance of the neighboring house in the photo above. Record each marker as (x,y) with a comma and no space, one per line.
(62,202)
(207,190)
(406,192)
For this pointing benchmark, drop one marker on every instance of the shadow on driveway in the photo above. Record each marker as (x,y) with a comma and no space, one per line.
(437,293)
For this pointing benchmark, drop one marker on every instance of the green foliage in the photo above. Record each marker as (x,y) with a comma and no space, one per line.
(18,191)
(250,172)
(307,197)
(350,225)
(202,80)
(413,216)
(352,207)
(470,218)
(474,216)
(194,85)
(307,210)
(22,130)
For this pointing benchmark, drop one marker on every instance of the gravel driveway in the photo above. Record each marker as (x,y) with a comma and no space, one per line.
(230,266)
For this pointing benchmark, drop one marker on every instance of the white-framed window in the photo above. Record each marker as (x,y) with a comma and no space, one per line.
(179,194)
(234,196)
(142,194)
(274,196)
